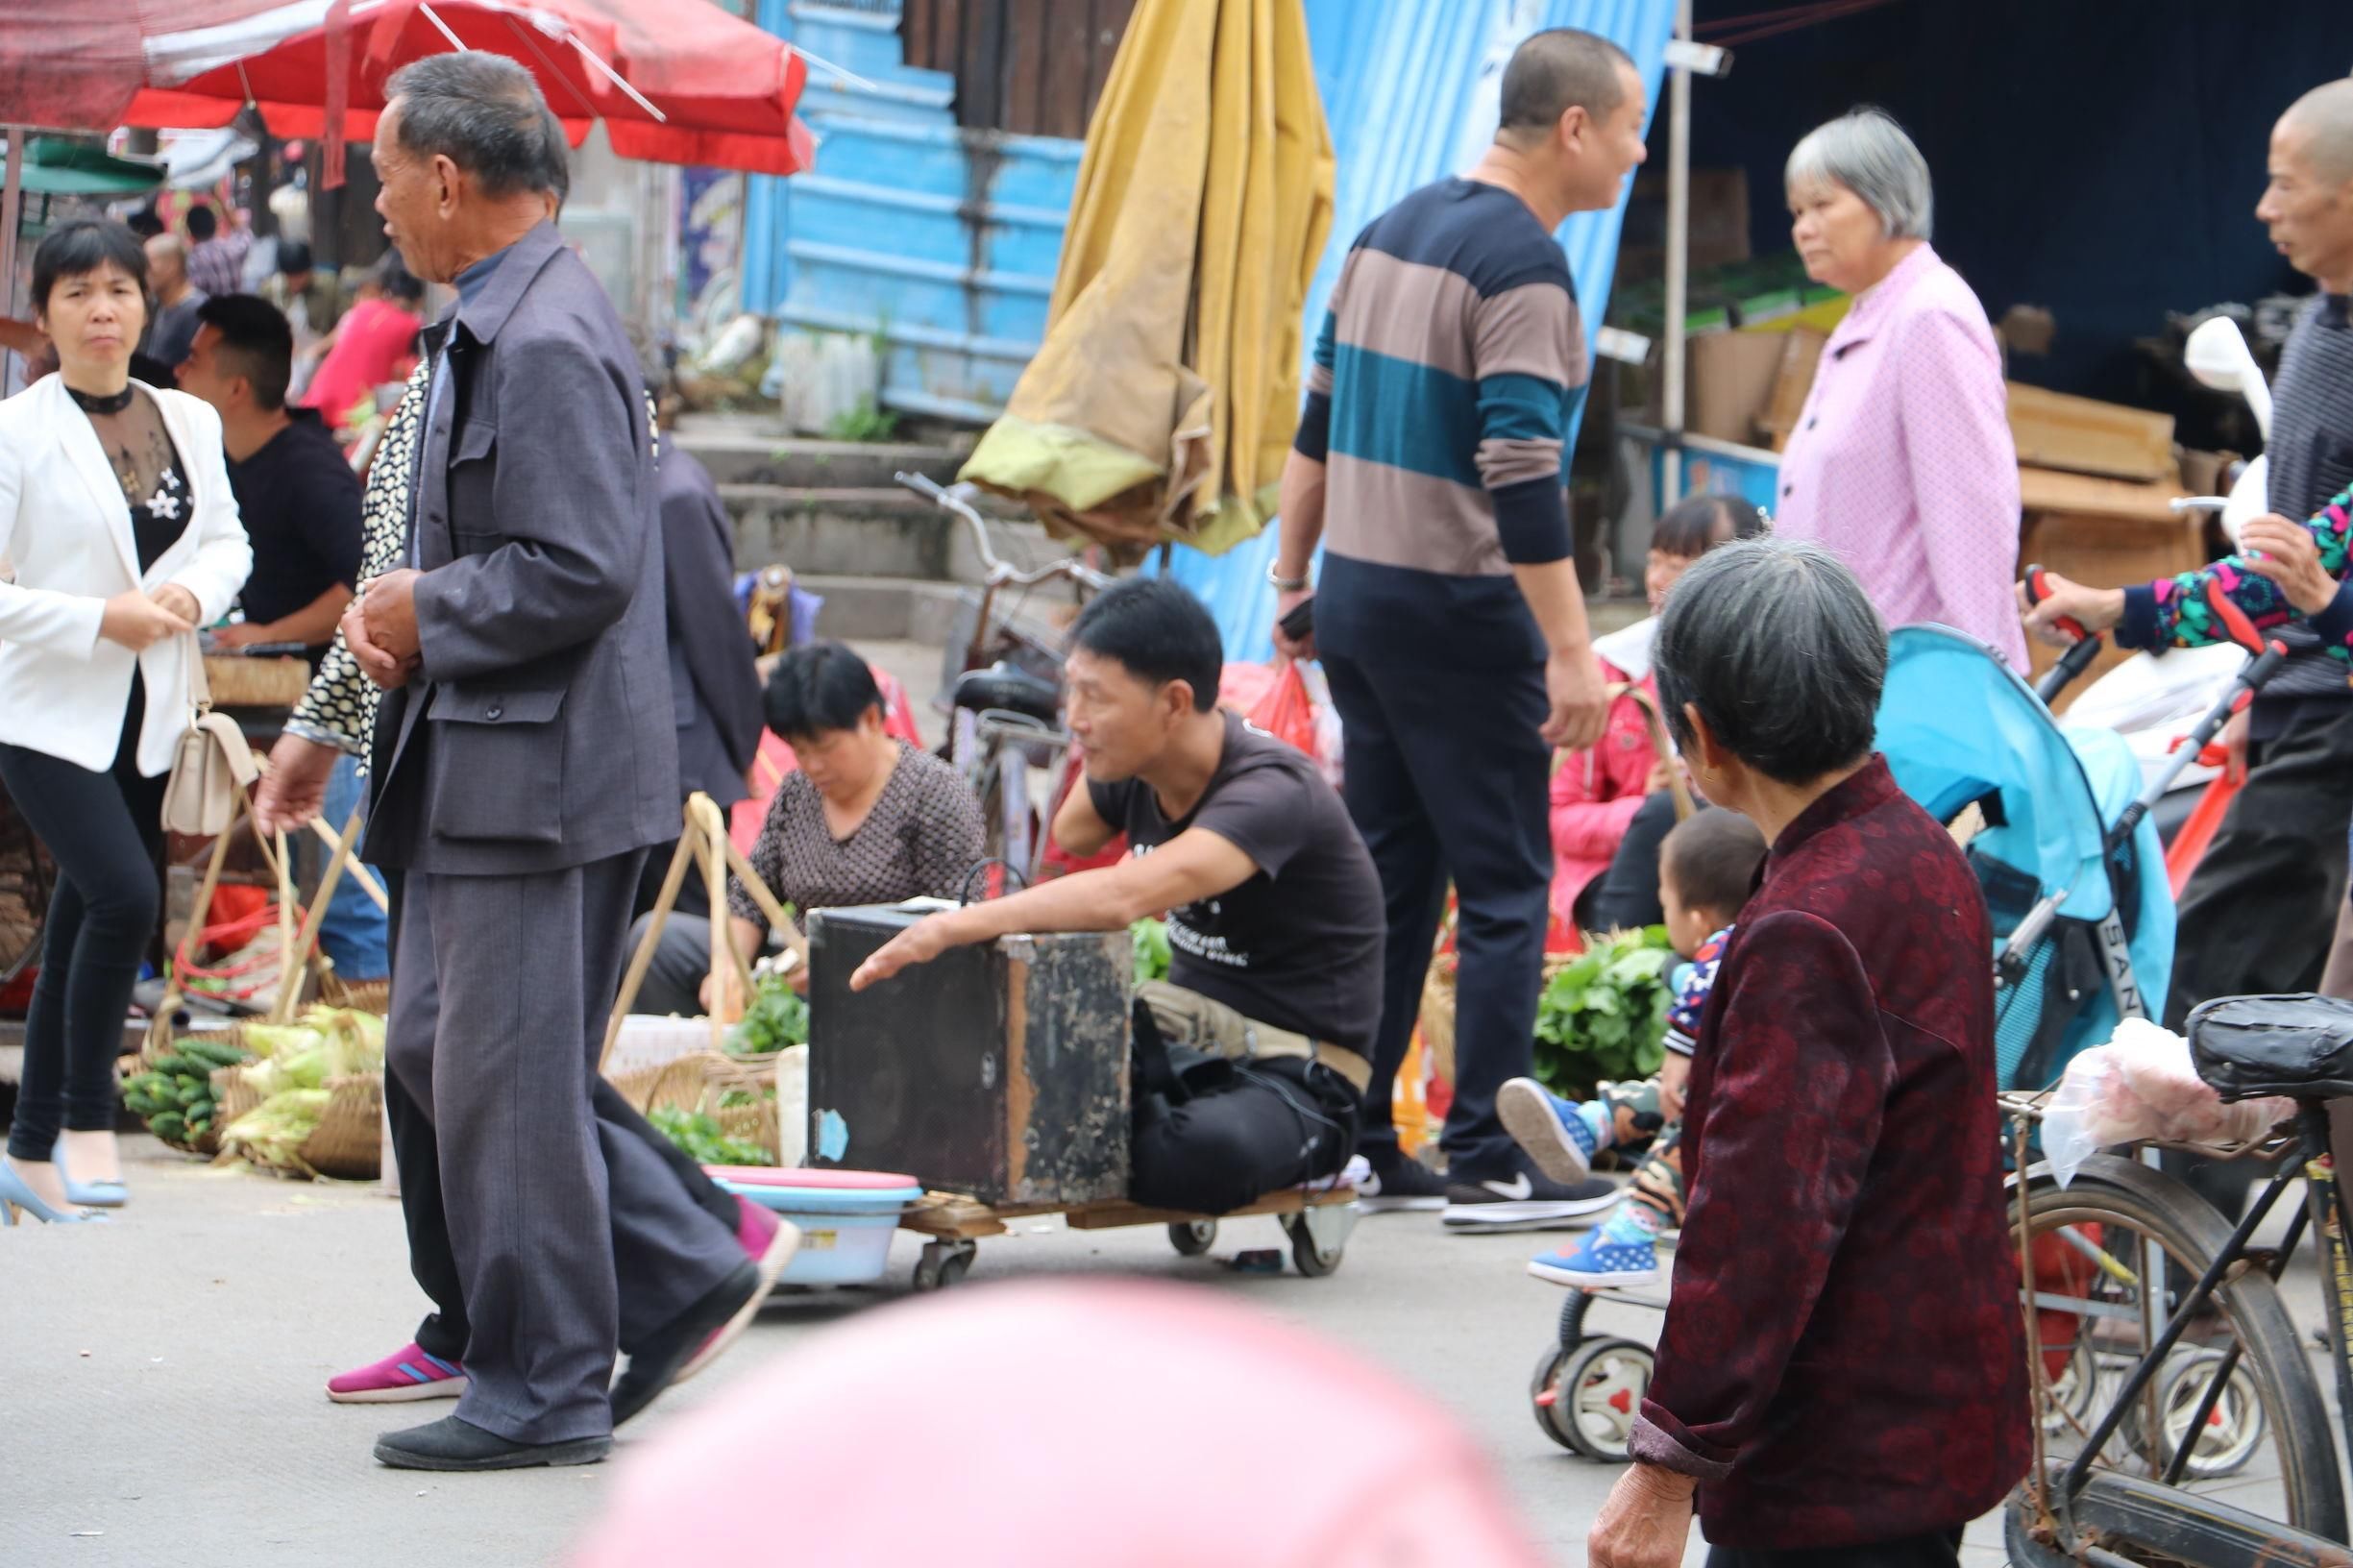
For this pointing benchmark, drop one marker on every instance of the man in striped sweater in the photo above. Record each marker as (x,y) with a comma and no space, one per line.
(1429,464)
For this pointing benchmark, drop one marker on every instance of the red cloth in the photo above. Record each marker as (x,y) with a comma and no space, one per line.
(1595,794)
(1843,1361)
(725,88)
(75,67)
(372,341)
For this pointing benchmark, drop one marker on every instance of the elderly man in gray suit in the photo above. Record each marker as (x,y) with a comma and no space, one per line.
(524,759)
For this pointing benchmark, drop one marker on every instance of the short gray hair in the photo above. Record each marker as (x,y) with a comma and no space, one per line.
(1774,643)
(483,112)
(1866,152)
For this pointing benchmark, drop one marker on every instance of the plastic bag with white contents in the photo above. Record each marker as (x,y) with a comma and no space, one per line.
(2142,1087)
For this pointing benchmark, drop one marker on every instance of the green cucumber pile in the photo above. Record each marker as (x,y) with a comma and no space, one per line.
(173,1097)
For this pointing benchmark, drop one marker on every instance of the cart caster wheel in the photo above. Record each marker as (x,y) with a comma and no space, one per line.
(1313,1257)
(1192,1237)
(1597,1389)
(943,1263)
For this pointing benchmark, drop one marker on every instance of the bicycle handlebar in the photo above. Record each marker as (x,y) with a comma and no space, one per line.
(999,574)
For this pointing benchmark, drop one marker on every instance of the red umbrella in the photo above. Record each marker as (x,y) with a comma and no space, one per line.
(75,67)
(675,81)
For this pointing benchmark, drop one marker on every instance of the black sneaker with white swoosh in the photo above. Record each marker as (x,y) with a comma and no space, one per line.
(1526,1201)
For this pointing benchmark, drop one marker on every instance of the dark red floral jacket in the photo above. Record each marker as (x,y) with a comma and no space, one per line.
(1843,1361)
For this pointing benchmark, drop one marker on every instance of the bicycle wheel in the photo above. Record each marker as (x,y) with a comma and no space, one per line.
(2112,1255)
(2139,1521)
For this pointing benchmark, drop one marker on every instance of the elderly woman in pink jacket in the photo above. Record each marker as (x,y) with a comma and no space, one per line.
(1610,808)
(1902,464)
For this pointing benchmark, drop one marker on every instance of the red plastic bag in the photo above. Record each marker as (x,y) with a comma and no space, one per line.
(1286,711)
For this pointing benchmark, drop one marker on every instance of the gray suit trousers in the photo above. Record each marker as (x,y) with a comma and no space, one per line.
(500,987)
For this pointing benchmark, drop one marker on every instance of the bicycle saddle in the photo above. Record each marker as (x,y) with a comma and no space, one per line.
(1008,689)
(2300,1047)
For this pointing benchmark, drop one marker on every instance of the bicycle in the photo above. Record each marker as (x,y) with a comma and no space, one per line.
(2223,1367)
(1005,732)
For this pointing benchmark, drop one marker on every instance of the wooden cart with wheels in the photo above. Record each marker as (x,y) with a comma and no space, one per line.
(1317,1221)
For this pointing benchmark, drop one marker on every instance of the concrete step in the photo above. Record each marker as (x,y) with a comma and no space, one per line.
(739,449)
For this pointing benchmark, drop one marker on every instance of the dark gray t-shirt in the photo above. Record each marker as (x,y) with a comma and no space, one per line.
(1298,946)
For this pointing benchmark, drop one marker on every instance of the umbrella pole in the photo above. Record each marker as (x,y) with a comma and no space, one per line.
(11,219)
(1679,257)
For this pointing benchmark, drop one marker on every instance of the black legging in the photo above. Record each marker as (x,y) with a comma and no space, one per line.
(106,833)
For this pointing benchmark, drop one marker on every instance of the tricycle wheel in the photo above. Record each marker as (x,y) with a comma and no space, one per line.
(1598,1395)
(1544,1394)
(1192,1237)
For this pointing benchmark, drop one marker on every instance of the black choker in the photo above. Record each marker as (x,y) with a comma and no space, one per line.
(114,404)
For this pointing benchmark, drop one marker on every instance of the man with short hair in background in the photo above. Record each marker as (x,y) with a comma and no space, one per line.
(217,261)
(1429,465)
(171,327)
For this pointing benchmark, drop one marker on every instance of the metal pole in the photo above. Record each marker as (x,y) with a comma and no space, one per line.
(1678,246)
(11,219)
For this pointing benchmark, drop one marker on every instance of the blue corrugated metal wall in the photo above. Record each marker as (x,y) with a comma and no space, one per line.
(946,241)
(1410,89)
(941,241)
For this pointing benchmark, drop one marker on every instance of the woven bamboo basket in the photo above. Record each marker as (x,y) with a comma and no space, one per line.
(348,1143)
(699,1082)
(240,682)
(1437,1019)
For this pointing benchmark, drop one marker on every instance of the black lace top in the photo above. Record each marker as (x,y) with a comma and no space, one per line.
(140,452)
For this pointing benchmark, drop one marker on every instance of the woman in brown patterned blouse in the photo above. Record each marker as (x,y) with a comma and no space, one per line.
(866,819)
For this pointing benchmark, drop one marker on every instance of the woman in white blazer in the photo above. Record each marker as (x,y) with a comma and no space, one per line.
(116,513)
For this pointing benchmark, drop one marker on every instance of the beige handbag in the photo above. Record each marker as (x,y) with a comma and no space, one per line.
(212,766)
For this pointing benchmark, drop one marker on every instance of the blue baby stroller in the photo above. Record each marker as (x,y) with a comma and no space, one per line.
(2073,874)
(2083,916)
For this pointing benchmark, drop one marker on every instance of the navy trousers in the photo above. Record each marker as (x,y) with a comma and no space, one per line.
(1447,781)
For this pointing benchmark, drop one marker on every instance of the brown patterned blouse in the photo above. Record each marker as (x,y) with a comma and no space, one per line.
(921,839)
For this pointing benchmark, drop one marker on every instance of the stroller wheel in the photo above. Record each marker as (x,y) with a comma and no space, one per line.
(1597,1391)
(2234,1429)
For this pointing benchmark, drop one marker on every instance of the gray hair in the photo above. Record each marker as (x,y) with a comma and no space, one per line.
(1559,70)
(1866,152)
(483,112)
(1775,644)
(2326,114)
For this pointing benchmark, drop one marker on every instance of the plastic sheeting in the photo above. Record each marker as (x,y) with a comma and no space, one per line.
(1410,89)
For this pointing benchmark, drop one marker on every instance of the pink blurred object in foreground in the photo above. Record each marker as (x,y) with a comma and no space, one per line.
(1062,1425)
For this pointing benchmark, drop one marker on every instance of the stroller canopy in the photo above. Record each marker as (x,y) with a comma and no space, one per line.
(1956,726)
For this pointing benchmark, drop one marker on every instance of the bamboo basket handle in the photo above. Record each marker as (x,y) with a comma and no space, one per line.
(1659,742)
(159,1028)
(643,959)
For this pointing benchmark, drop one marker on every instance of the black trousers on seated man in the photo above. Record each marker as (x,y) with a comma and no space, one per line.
(1213,1131)
(416,1153)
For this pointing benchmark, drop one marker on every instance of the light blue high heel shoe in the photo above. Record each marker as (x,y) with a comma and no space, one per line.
(89,1195)
(16,1196)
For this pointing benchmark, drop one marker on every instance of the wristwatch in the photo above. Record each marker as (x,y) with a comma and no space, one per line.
(1282,584)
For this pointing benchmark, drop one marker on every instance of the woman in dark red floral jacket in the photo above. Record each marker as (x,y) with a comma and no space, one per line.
(1841,1378)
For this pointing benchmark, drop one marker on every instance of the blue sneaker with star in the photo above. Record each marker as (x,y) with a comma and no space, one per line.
(1621,1251)
(1560,1136)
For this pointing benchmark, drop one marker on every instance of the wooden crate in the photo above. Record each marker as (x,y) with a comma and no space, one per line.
(2104,533)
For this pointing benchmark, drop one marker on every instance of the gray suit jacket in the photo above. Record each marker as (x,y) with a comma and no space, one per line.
(714,681)
(537,735)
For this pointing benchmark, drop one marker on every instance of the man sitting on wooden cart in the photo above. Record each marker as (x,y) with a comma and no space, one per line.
(1249,1060)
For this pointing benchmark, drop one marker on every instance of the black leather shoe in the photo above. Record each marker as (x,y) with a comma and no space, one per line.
(656,1365)
(451,1444)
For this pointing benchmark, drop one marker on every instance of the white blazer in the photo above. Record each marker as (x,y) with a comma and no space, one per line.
(66,531)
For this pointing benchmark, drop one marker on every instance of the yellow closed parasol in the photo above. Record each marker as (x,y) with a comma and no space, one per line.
(1168,389)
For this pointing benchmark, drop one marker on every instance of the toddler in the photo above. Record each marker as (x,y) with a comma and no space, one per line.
(1707,867)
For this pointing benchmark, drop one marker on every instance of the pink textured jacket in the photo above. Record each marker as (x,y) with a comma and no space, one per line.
(1902,464)
(1596,792)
